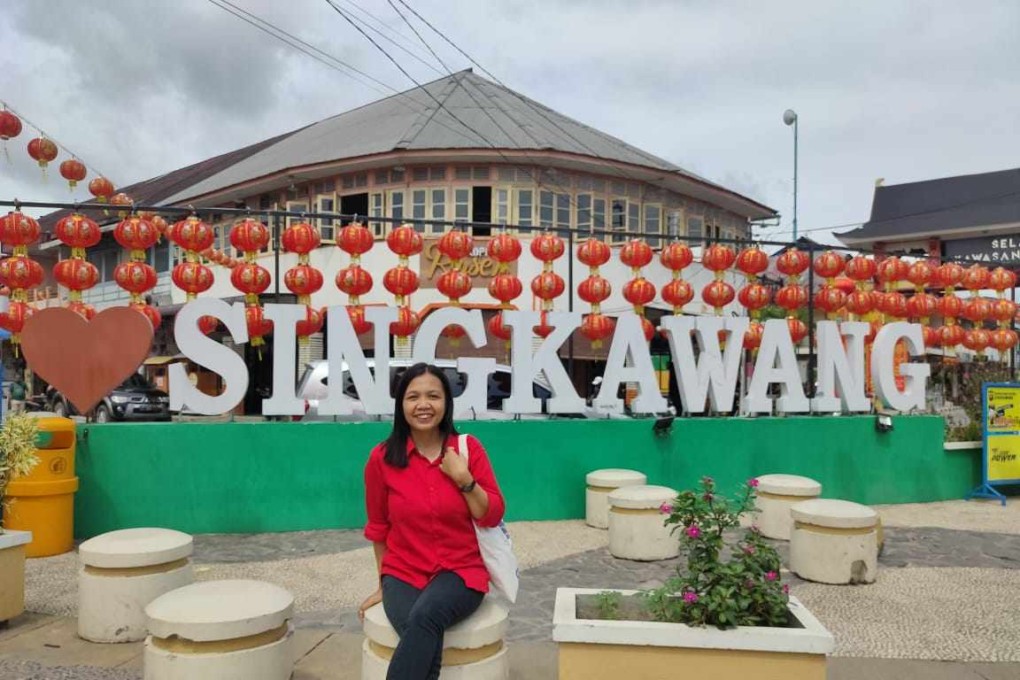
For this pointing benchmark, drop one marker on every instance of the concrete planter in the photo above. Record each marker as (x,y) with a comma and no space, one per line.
(12,572)
(961,446)
(643,650)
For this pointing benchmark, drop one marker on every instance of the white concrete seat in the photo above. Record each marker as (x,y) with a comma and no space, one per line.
(834,542)
(599,484)
(472,650)
(776,495)
(228,630)
(636,523)
(122,572)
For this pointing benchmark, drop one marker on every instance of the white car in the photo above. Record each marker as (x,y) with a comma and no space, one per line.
(314,386)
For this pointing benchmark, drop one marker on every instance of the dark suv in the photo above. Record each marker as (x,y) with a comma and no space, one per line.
(135,400)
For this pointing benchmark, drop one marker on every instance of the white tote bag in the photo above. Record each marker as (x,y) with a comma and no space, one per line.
(496,548)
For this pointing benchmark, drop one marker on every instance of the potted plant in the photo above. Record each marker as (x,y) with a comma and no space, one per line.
(17,458)
(725,614)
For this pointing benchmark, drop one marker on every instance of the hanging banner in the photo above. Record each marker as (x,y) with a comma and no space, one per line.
(1001,439)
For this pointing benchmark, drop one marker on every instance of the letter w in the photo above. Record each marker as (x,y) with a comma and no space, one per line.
(713,375)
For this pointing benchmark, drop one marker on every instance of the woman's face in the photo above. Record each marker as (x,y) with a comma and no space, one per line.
(424,403)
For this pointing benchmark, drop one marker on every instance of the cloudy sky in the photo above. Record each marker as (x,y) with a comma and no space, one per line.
(894,89)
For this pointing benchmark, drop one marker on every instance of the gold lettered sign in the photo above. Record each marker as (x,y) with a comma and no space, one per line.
(479,266)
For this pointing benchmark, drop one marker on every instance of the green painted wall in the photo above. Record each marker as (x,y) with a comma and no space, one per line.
(252,477)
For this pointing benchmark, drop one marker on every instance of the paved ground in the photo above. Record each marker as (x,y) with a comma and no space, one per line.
(946,605)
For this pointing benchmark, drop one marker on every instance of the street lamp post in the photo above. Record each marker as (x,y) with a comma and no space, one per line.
(790,118)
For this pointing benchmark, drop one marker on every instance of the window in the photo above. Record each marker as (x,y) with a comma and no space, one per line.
(634,219)
(377,208)
(525,207)
(326,228)
(696,227)
(546,208)
(160,258)
(563,214)
(653,224)
(462,205)
(506,174)
(105,261)
(584,213)
(397,205)
(598,214)
(326,187)
(419,198)
(296,207)
(676,219)
(480,172)
(437,174)
(397,175)
(619,220)
(501,206)
(420,174)
(382,176)
(462,173)
(438,210)
(356,180)
(222,241)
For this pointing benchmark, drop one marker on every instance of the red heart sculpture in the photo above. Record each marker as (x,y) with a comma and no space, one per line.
(86,360)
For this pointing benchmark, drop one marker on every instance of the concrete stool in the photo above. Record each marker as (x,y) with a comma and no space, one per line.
(776,494)
(228,630)
(834,542)
(636,525)
(121,573)
(599,485)
(472,650)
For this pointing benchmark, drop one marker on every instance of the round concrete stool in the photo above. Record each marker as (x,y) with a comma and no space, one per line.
(600,483)
(472,650)
(776,494)
(121,573)
(228,630)
(834,542)
(636,528)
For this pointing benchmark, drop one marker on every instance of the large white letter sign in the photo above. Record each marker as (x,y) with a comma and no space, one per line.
(629,361)
(777,363)
(476,371)
(841,370)
(344,351)
(526,366)
(211,354)
(713,376)
(915,375)
(284,402)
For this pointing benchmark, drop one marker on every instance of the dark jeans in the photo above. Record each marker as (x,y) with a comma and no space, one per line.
(420,618)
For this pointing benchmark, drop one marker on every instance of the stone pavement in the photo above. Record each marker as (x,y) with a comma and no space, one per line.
(946,605)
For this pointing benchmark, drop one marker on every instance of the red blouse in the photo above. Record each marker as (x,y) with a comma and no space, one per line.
(423,518)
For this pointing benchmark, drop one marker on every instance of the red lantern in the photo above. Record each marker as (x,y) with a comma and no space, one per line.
(543,329)
(594,290)
(920,274)
(406,324)
(157,221)
(547,248)
(597,327)
(950,306)
(975,278)
(753,336)
(301,238)
(718,258)
(504,248)
(136,278)
(303,280)
(1003,311)
(861,269)
(639,292)
(18,230)
(792,297)
(150,313)
(455,244)
(102,189)
(76,274)
(43,150)
(676,256)
(193,278)
(950,336)
(860,302)
(922,305)
(355,282)
(793,263)
(1001,280)
(87,311)
(977,340)
(355,240)
(1003,340)
(505,288)
(251,279)
(636,254)
(136,235)
(122,200)
(752,262)
(78,232)
(401,282)
(718,294)
(894,304)
(192,234)
(547,286)
(73,170)
(830,300)
(498,330)
(258,326)
(454,284)
(949,275)
(648,328)
(18,312)
(932,337)
(405,242)
(844,284)
(829,265)
(593,253)
(977,310)
(208,324)
(677,293)
(10,125)
(356,313)
(890,271)
(310,325)
(752,297)
(798,329)
(249,236)
(21,272)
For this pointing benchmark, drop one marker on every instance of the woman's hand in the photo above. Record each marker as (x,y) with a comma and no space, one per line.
(370,601)
(455,467)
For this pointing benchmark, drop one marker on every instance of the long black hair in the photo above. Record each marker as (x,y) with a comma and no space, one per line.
(396,444)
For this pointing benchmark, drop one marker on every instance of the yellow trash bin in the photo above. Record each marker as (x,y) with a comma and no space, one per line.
(43,501)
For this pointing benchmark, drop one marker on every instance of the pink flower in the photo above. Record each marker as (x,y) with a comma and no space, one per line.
(690,597)
(753,482)
(666,509)
(708,497)
(771,576)
(749,549)
(693,531)
(786,588)
(755,529)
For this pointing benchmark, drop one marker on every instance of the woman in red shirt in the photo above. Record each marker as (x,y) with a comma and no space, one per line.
(423,499)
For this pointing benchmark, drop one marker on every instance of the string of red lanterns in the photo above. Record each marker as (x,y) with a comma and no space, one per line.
(595,289)
(354,280)
(454,283)
(830,298)
(303,279)
(718,258)
(402,282)
(548,285)
(505,249)
(76,273)
(791,297)
(753,296)
(250,237)
(19,273)
(136,276)
(639,291)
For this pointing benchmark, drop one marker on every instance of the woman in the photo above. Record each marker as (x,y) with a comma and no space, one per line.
(423,499)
